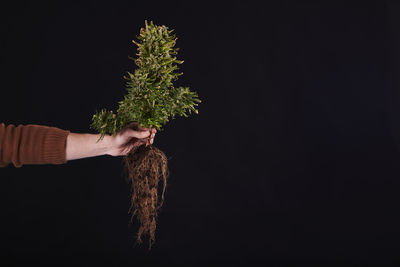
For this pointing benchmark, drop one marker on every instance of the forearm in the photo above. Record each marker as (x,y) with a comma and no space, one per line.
(85,145)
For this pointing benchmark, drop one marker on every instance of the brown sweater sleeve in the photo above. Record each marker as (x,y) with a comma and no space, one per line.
(32,144)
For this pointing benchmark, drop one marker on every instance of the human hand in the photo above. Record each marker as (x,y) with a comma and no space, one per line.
(130,137)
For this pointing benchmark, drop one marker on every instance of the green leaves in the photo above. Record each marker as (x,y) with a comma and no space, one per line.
(151,98)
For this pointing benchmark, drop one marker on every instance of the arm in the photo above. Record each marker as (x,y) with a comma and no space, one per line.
(31,144)
(85,145)
(36,144)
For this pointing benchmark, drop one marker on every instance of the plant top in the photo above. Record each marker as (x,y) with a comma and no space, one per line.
(151,98)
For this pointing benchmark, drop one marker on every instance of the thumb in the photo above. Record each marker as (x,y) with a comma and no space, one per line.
(139,134)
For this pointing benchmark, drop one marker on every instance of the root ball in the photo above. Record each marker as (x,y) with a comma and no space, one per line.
(147,167)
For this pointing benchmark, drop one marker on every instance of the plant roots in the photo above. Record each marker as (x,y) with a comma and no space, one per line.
(146,166)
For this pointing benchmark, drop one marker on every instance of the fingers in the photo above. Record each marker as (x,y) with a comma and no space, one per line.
(143,133)
(153,133)
(140,134)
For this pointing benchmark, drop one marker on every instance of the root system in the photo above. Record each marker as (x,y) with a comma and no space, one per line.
(147,172)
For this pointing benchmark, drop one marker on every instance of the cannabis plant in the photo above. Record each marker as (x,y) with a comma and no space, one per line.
(150,102)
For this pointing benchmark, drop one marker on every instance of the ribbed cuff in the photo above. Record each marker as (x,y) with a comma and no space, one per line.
(54,150)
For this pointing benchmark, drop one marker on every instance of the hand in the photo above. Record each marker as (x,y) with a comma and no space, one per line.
(130,137)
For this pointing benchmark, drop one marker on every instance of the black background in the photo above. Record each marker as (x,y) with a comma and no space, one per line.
(293,158)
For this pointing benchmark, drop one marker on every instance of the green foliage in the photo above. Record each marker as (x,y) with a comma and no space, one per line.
(151,98)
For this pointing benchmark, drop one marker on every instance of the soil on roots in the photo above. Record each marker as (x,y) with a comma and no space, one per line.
(147,168)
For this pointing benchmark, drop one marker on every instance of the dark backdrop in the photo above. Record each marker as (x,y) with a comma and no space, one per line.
(293,158)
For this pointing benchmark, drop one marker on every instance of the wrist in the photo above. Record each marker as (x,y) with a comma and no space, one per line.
(108,144)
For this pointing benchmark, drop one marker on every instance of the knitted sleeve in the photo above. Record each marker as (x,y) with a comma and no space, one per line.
(32,144)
